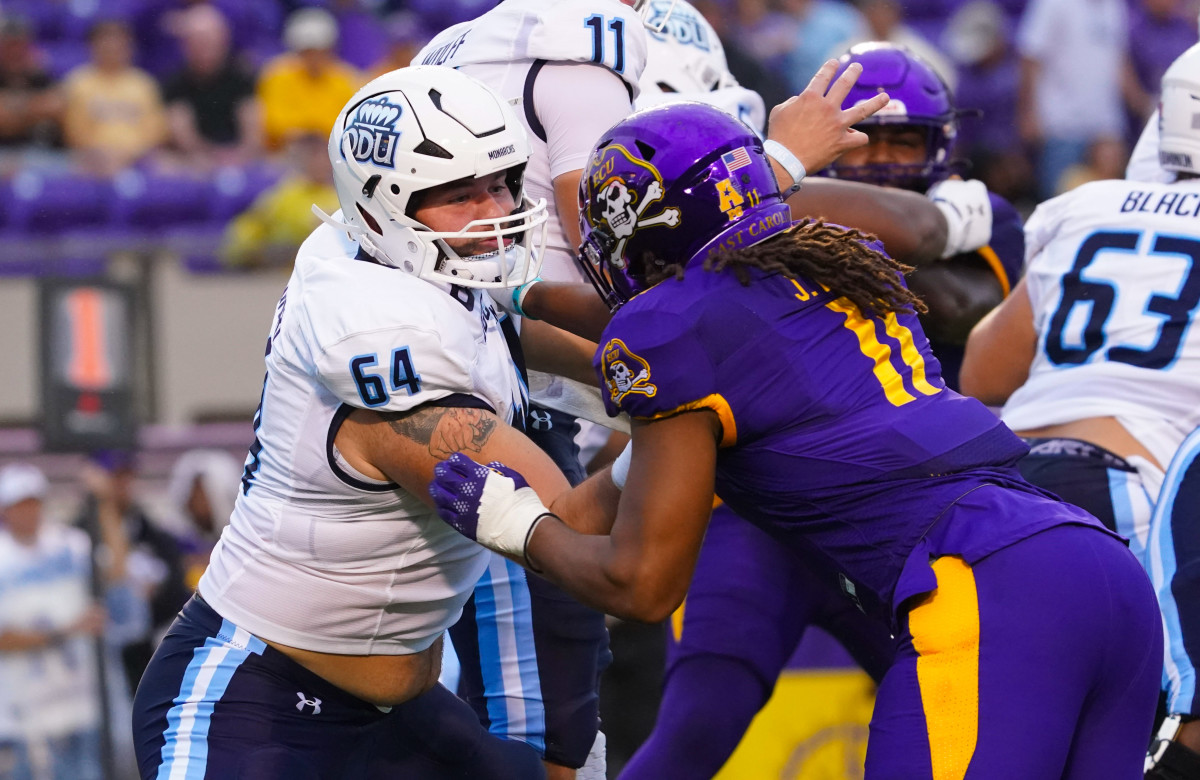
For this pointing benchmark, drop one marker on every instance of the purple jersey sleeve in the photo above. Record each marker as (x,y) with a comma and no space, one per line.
(651,364)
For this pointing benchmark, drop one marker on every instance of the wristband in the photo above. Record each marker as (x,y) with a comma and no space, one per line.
(529,535)
(790,162)
(620,466)
(518,296)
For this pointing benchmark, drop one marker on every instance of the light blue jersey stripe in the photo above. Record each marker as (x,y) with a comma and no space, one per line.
(185,754)
(1180,671)
(507,656)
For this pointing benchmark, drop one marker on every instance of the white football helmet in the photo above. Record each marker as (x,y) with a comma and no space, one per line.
(655,19)
(416,128)
(1179,114)
(685,55)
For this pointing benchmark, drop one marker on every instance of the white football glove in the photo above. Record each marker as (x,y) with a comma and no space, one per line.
(968,212)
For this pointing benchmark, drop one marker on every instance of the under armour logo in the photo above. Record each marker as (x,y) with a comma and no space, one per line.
(540,420)
(307,702)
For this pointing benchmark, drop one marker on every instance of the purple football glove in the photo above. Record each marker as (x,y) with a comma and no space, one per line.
(491,504)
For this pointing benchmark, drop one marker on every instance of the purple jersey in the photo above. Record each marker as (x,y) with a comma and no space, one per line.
(840,438)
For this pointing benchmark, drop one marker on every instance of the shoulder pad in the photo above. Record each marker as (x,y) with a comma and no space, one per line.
(604,32)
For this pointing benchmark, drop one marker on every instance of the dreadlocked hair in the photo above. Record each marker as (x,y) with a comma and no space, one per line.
(839,259)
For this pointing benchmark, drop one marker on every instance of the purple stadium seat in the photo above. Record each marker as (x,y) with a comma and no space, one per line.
(53,203)
(78,17)
(236,188)
(63,55)
(151,202)
(362,40)
(48,17)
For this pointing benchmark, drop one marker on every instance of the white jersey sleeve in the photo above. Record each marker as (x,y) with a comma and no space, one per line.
(575,104)
(602,32)
(393,367)
(1113,275)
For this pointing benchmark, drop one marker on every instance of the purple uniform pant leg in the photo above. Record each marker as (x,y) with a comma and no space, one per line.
(750,601)
(1040,662)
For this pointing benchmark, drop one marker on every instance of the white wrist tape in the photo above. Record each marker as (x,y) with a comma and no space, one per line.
(968,212)
(507,517)
(790,162)
(620,466)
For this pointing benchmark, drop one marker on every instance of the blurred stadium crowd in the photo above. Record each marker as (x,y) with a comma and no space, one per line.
(198,127)
(203,123)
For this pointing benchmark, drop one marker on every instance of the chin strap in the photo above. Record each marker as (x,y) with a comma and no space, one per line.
(355,232)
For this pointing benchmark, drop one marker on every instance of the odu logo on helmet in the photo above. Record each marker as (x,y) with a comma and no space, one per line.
(370,136)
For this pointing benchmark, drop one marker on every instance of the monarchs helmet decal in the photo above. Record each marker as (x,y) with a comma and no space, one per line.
(370,135)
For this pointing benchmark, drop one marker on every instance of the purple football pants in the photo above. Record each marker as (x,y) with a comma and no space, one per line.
(1042,661)
(750,601)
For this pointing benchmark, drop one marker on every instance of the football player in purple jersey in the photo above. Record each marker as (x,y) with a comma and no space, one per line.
(911,146)
(782,366)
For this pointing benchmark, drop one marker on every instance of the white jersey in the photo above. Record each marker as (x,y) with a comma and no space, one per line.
(49,691)
(564,113)
(316,555)
(1113,273)
(745,104)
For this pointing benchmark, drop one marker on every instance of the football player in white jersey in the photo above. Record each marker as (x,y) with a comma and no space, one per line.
(317,626)
(572,70)
(1094,356)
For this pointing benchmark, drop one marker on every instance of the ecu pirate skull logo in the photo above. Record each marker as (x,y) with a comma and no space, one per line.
(625,372)
(622,208)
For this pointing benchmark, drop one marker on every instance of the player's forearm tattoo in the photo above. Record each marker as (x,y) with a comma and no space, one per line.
(446,430)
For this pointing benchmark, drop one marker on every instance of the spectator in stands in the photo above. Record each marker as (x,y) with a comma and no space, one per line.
(30,105)
(822,29)
(155,560)
(745,66)
(1105,159)
(406,35)
(114,115)
(769,33)
(1160,31)
(203,487)
(270,231)
(885,22)
(50,617)
(303,90)
(1075,78)
(213,114)
(978,39)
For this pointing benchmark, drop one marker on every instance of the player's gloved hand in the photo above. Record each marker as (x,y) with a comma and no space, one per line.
(1167,759)
(491,504)
(968,212)
(511,299)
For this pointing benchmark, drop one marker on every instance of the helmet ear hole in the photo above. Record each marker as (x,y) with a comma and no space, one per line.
(368,219)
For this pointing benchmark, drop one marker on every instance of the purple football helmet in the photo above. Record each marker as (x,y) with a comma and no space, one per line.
(670,185)
(918,97)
